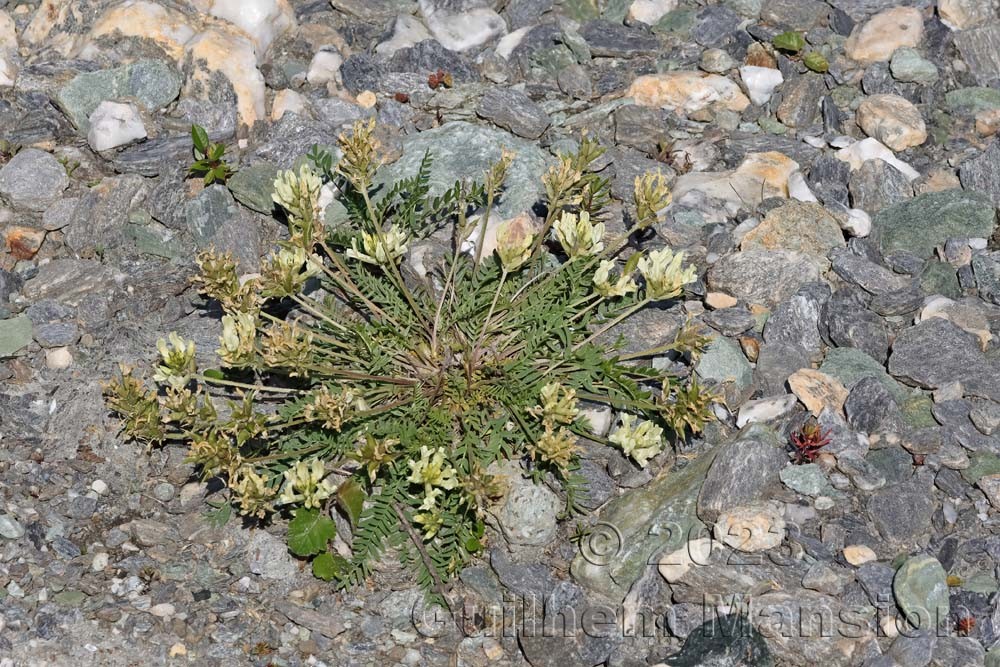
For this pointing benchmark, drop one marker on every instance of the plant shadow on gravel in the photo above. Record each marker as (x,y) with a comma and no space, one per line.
(351,384)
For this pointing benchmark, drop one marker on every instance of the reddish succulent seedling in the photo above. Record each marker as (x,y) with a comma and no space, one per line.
(965,625)
(440,78)
(808,441)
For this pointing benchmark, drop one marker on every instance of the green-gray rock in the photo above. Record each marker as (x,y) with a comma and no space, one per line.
(940,278)
(636,528)
(206,212)
(972,100)
(993,657)
(849,364)
(907,65)
(253,186)
(15,334)
(152,83)
(725,365)
(807,479)
(981,464)
(459,149)
(921,590)
(920,224)
(730,640)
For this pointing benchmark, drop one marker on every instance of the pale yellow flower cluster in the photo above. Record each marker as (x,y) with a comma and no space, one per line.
(610,287)
(514,240)
(665,274)
(236,344)
(298,194)
(436,476)
(642,441)
(578,236)
(380,249)
(305,483)
(177,356)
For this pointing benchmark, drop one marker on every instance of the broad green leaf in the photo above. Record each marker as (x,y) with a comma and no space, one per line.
(200,138)
(815,61)
(219,516)
(327,566)
(790,41)
(309,532)
(351,498)
(214,373)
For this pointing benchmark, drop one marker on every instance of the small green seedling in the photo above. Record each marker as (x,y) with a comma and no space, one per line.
(208,158)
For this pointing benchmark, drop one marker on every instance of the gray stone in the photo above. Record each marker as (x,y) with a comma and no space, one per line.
(877,185)
(268,557)
(775,362)
(849,365)
(936,352)
(808,479)
(980,49)
(902,513)
(152,83)
(863,474)
(796,320)
(10,527)
(528,515)
(513,111)
(723,363)
(33,179)
(921,224)
(56,334)
(462,149)
(742,472)
(800,101)
(828,178)
(921,591)
(908,66)
(730,321)
(638,526)
(958,652)
(982,173)
(972,100)
(913,649)
(871,277)
(215,221)
(794,14)
(723,642)
(825,579)
(987,272)
(607,39)
(714,25)
(10,283)
(845,322)
(15,335)
(765,277)
(149,533)
(253,186)
(870,407)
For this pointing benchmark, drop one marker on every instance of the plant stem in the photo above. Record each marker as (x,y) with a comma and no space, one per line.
(243,385)
(612,323)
